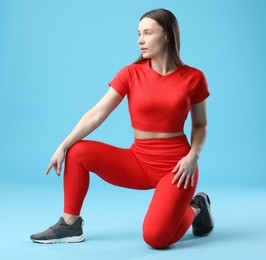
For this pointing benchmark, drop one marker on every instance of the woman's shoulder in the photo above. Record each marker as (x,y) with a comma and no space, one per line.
(136,66)
(192,70)
(135,70)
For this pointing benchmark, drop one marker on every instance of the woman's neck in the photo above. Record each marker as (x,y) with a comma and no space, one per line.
(162,66)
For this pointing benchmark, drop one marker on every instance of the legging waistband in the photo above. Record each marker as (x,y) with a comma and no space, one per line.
(162,146)
(167,140)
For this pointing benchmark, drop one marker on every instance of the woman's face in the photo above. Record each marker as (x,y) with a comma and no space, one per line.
(152,39)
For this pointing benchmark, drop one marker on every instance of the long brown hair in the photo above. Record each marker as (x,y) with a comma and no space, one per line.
(168,21)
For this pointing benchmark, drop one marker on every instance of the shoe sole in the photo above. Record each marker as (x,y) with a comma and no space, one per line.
(208,230)
(75,239)
(203,232)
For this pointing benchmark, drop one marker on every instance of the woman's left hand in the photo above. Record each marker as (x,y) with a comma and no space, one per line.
(185,170)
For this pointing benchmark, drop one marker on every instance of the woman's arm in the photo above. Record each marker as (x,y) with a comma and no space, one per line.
(199,128)
(87,124)
(186,167)
(93,118)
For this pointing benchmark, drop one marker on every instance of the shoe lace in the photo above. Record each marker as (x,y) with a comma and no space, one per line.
(56,226)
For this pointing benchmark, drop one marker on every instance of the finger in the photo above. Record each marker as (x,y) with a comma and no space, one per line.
(192,180)
(48,169)
(176,168)
(175,179)
(187,181)
(179,173)
(59,168)
(181,180)
(177,176)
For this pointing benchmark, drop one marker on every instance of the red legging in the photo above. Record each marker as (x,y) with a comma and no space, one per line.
(146,164)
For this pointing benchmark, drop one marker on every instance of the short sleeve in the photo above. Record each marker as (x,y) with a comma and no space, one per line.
(201,91)
(120,82)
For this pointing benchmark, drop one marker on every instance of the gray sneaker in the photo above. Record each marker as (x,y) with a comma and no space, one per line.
(61,233)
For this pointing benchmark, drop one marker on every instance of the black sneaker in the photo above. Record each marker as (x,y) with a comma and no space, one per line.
(203,223)
(61,233)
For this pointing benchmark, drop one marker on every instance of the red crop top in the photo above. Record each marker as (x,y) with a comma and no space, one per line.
(160,103)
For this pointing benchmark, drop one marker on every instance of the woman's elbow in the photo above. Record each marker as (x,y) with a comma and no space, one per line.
(200,125)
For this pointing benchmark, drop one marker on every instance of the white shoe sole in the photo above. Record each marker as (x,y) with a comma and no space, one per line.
(75,239)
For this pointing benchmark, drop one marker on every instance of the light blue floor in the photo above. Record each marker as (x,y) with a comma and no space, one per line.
(113,219)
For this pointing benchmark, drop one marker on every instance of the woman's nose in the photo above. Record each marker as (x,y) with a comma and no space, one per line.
(140,40)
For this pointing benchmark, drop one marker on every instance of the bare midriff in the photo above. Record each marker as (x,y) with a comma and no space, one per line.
(148,135)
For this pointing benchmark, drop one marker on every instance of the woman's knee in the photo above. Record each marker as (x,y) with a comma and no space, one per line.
(79,149)
(156,238)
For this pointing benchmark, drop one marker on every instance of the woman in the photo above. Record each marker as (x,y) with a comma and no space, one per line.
(160,90)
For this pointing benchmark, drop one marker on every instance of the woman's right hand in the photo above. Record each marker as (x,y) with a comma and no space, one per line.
(87,124)
(57,161)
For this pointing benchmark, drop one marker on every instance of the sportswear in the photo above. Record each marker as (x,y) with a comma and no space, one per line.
(160,103)
(147,164)
(156,103)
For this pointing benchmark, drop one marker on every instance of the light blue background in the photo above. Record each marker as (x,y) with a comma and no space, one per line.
(56,58)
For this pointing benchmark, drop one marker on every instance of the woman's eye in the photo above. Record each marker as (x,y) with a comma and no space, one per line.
(145,33)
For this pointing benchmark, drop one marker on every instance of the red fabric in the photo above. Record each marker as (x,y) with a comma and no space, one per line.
(160,103)
(146,164)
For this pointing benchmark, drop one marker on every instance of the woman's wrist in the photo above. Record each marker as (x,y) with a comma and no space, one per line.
(194,154)
(63,146)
